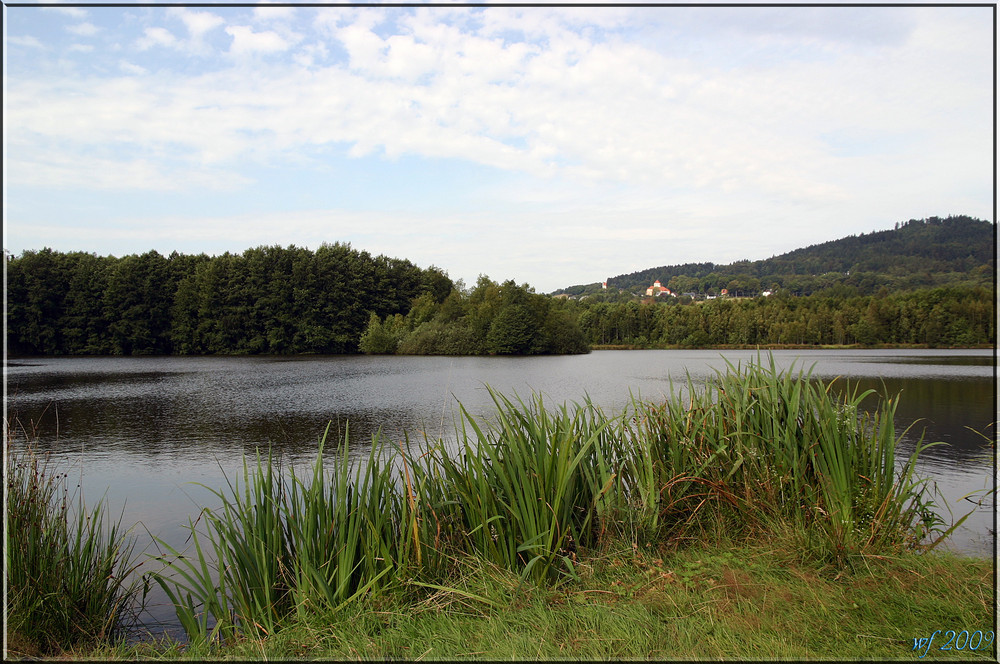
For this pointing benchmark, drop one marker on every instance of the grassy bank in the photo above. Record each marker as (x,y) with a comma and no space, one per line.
(730,600)
(760,516)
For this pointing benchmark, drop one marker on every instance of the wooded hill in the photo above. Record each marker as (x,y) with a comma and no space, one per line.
(916,254)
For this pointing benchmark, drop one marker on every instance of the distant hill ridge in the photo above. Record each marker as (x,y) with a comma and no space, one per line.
(915,254)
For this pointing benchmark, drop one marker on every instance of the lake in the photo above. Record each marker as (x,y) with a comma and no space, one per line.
(141,431)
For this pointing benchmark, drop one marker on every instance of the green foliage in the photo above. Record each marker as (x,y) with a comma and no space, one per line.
(953,316)
(266,300)
(526,491)
(492,318)
(271,300)
(743,601)
(956,250)
(759,448)
(511,331)
(284,546)
(379,338)
(561,333)
(68,572)
(925,283)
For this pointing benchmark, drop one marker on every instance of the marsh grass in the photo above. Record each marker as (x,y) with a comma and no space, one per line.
(282,545)
(526,492)
(755,454)
(758,449)
(69,569)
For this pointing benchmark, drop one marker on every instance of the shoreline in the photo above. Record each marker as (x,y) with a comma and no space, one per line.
(595,347)
(599,347)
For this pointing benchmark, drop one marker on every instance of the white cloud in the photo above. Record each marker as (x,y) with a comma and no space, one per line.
(155,37)
(246,41)
(197,23)
(111,172)
(309,55)
(614,140)
(590,110)
(25,40)
(114,174)
(83,29)
(74,12)
(264,13)
(130,68)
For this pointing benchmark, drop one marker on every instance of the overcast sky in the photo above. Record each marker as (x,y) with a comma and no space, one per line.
(553,146)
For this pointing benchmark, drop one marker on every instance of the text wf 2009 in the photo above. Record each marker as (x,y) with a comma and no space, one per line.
(955,640)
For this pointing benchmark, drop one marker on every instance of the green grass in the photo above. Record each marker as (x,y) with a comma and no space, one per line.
(732,600)
(68,569)
(760,450)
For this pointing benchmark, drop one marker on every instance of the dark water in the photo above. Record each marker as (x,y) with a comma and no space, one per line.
(142,431)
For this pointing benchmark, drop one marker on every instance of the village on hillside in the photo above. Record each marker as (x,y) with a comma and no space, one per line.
(658,290)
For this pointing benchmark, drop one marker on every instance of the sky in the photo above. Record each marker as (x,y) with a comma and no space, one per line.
(551,146)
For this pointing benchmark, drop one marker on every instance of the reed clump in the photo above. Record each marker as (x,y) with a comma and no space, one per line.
(759,450)
(754,453)
(283,545)
(69,570)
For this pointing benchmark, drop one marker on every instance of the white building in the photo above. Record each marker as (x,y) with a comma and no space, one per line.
(658,289)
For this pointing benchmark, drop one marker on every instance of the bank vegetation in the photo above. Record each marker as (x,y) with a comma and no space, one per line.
(537,504)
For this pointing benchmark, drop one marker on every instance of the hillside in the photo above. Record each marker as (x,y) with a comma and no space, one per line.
(957,250)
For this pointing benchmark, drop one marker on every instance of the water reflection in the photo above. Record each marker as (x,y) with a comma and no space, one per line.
(949,411)
(205,407)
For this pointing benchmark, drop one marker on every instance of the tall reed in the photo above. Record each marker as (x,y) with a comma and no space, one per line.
(280,546)
(69,569)
(754,452)
(757,448)
(525,491)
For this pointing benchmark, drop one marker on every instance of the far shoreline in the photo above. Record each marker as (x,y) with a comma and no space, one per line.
(600,347)
(13,360)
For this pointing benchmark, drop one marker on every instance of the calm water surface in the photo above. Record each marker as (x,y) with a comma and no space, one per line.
(142,431)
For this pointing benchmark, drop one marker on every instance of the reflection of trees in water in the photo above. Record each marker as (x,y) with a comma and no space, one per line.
(940,410)
(226,407)
(162,427)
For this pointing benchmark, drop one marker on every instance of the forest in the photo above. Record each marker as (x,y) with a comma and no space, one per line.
(488,319)
(916,254)
(292,300)
(267,300)
(937,317)
(270,300)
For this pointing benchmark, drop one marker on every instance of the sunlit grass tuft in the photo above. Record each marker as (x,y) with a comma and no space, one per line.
(758,449)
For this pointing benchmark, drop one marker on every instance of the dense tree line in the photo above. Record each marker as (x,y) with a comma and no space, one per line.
(917,254)
(265,300)
(335,299)
(950,316)
(491,318)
